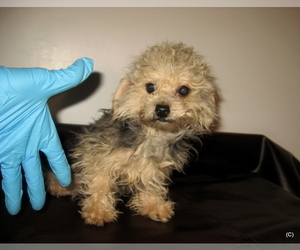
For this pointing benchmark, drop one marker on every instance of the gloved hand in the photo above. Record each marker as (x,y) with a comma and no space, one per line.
(26,127)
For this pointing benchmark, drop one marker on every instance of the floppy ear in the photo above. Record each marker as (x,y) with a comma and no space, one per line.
(212,99)
(120,93)
(212,113)
(122,90)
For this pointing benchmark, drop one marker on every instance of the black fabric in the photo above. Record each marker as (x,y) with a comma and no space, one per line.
(241,189)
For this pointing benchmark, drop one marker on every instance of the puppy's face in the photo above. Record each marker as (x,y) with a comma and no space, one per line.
(168,89)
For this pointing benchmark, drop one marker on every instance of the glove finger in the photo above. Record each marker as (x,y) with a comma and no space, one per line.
(52,148)
(35,181)
(64,79)
(58,160)
(59,165)
(43,83)
(12,187)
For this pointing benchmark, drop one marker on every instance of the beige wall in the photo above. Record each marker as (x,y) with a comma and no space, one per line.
(254,53)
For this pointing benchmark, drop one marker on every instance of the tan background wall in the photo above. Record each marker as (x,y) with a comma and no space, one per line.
(254,53)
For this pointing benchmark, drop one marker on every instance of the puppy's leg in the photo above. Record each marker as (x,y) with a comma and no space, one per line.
(155,207)
(98,206)
(55,189)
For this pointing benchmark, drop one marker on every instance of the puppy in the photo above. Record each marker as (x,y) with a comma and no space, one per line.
(166,100)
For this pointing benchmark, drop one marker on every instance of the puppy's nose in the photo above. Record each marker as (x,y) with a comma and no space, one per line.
(162,111)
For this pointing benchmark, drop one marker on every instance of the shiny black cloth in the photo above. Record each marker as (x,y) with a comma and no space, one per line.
(241,189)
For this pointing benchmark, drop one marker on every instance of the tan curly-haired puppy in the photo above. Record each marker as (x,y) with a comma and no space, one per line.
(166,99)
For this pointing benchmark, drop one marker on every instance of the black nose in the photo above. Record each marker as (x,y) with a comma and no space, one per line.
(162,111)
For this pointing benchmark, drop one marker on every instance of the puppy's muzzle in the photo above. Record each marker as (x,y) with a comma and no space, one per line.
(162,111)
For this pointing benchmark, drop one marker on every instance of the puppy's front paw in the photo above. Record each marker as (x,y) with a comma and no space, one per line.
(154,207)
(99,218)
(97,213)
(159,212)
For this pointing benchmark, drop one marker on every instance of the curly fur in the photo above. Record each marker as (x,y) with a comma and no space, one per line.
(134,147)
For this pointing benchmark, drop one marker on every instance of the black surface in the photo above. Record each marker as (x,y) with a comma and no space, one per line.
(241,189)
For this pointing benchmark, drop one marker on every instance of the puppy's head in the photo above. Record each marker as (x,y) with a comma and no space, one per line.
(168,88)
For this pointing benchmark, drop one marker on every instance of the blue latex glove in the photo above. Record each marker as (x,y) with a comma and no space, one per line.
(26,127)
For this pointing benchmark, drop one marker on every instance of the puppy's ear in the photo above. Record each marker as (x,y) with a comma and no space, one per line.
(210,116)
(212,99)
(123,89)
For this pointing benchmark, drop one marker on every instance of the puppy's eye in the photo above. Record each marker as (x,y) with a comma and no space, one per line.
(150,87)
(184,91)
